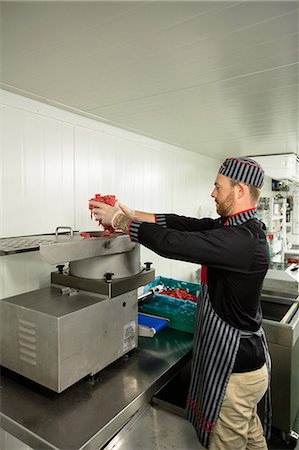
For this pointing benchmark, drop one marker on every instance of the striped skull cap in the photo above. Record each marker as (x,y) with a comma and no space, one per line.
(243,169)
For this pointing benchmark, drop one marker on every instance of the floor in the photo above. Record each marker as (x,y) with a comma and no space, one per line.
(277,444)
(170,391)
(158,429)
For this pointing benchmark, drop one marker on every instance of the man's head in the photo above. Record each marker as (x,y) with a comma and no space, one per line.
(237,186)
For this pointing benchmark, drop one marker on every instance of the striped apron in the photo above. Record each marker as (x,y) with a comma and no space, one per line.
(215,349)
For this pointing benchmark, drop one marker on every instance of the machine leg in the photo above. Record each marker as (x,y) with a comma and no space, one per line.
(92,378)
(129,354)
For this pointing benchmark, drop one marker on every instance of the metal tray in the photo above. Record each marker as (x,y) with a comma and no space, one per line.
(20,244)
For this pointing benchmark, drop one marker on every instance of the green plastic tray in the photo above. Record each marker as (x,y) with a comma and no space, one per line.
(181,313)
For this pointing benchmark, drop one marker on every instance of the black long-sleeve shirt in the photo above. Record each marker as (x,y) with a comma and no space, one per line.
(235,252)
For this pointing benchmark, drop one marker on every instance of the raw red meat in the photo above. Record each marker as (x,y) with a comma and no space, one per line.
(181,294)
(109,200)
(86,235)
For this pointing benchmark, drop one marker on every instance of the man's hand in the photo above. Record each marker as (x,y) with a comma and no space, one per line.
(139,215)
(112,216)
(127,211)
(105,213)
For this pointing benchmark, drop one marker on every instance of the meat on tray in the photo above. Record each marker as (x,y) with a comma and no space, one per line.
(181,294)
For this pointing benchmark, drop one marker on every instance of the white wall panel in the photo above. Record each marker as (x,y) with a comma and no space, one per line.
(94,171)
(54,161)
(12,176)
(37,173)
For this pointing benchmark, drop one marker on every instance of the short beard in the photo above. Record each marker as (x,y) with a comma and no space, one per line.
(226,207)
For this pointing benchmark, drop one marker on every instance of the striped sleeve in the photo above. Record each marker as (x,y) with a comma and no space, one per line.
(160,219)
(134,230)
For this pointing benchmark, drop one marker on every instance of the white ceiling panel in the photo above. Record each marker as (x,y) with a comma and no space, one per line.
(206,76)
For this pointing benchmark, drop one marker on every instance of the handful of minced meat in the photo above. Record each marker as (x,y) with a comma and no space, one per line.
(109,200)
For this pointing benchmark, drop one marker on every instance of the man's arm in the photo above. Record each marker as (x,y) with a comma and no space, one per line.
(173,221)
(119,216)
(145,217)
(228,248)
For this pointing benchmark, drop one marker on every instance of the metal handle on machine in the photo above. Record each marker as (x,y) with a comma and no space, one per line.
(146,296)
(64,228)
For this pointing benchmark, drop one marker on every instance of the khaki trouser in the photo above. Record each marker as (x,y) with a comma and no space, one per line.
(238,426)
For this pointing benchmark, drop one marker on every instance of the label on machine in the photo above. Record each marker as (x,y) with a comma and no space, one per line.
(129,336)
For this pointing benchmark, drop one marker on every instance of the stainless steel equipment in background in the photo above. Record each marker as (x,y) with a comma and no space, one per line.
(85,320)
(280,306)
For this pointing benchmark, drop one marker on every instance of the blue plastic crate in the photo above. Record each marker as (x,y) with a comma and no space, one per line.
(181,313)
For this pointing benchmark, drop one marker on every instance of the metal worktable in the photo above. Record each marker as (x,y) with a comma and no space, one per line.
(88,414)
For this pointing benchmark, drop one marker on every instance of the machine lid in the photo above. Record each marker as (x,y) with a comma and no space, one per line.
(77,247)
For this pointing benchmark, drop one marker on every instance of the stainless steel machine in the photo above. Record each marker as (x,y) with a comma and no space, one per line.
(280,304)
(85,320)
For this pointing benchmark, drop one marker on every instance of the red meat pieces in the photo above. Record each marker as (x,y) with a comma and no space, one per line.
(109,200)
(181,294)
(87,235)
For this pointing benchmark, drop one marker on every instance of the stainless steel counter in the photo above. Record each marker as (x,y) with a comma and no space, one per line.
(90,413)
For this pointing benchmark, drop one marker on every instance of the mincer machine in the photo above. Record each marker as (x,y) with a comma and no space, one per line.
(85,320)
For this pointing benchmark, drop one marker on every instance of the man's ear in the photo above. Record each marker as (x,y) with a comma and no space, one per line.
(242,190)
